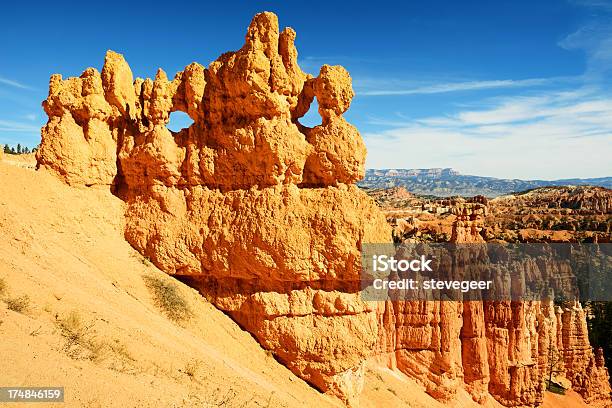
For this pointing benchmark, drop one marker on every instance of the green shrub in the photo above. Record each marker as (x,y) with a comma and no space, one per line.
(18,304)
(167,296)
(554,388)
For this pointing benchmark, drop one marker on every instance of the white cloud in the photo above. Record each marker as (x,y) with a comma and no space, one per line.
(544,133)
(13,83)
(594,38)
(391,87)
(550,136)
(11,126)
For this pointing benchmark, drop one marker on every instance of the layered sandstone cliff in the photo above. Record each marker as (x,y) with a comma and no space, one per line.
(507,349)
(261,215)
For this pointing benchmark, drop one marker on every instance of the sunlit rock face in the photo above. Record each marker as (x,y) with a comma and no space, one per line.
(503,349)
(261,214)
(252,208)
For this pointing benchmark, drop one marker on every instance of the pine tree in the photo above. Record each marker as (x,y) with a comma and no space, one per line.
(7,149)
(555,364)
(26,150)
(13,150)
(18,148)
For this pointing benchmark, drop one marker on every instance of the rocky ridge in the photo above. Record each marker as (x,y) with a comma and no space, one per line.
(549,214)
(449,182)
(255,210)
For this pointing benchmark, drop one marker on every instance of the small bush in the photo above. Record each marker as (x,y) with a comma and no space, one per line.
(192,369)
(72,327)
(168,298)
(98,350)
(80,341)
(121,351)
(18,304)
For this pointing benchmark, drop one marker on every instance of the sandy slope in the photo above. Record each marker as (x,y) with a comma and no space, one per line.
(63,248)
(570,400)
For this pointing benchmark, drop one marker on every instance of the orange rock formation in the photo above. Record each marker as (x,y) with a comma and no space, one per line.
(504,349)
(260,214)
(254,209)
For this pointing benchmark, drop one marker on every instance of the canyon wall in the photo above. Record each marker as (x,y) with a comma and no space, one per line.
(506,348)
(261,215)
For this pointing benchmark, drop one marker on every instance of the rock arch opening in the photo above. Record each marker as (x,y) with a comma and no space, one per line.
(178,121)
(312,117)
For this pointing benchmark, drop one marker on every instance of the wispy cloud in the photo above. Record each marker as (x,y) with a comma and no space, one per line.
(390,87)
(594,38)
(551,135)
(12,126)
(13,83)
(551,128)
(595,4)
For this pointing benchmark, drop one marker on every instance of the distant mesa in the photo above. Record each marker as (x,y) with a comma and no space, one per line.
(447,182)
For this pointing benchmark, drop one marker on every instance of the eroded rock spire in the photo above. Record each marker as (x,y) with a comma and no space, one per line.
(254,209)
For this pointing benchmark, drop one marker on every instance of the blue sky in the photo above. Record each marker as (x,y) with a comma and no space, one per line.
(515,89)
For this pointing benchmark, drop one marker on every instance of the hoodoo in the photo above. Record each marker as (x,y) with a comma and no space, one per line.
(247,205)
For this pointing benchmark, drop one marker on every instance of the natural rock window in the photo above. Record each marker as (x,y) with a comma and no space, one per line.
(312,118)
(179,121)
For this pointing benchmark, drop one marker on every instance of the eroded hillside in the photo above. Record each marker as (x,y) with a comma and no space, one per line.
(549,214)
(262,216)
(535,330)
(76,312)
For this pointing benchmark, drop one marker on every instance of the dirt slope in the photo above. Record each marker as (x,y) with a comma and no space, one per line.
(92,325)
(63,248)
